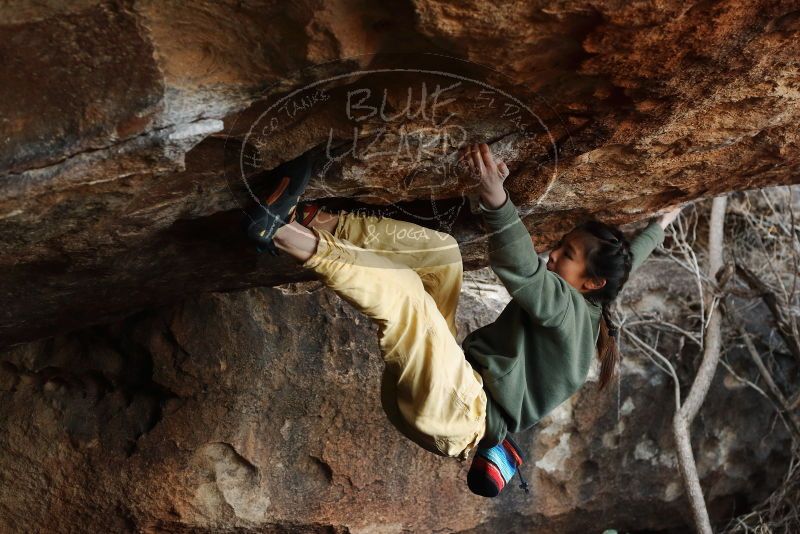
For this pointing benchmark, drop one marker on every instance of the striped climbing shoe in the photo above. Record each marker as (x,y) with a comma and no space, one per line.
(494,467)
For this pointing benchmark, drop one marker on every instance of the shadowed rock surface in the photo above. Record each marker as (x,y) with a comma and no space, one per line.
(126,127)
(243,412)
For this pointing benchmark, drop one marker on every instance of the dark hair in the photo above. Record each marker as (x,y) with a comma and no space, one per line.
(608,256)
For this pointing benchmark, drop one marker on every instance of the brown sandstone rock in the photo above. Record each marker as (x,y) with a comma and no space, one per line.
(116,118)
(244,412)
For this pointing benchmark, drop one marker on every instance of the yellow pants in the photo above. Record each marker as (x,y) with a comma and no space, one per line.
(407,279)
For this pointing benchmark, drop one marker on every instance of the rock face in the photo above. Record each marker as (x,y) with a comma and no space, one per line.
(127,126)
(244,412)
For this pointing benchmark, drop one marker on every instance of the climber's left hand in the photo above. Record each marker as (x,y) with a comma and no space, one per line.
(667,218)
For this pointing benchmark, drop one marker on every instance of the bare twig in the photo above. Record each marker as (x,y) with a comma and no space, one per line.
(757,245)
(697,393)
(785,409)
(783,323)
(667,366)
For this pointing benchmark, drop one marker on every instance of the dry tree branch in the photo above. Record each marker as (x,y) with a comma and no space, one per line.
(705,373)
(670,370)
(792,237)
(793,421)
(784,325)
(759,391)
(666,324)
(780,513)
(757,228)
(709,340)
(692,265)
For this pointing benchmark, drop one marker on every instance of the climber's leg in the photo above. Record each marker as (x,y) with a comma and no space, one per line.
(296,240)
(433,255)
(325,220)
(437,400)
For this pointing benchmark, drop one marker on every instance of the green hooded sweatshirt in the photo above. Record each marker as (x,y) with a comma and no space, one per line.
(539,350)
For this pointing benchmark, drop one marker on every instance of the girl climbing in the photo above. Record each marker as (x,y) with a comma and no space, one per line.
(505,376)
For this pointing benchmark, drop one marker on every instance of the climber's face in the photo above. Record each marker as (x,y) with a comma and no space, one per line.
(568,260)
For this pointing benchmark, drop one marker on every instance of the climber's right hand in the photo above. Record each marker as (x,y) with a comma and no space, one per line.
(492,173)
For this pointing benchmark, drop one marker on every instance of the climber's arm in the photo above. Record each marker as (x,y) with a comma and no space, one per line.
(652,236)
(645,242)
(543,294)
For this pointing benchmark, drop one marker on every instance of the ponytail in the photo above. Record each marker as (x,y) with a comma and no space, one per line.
(607,348)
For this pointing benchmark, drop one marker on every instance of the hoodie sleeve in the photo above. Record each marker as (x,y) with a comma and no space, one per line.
(543,294)
(645,242)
